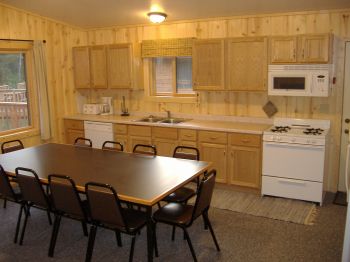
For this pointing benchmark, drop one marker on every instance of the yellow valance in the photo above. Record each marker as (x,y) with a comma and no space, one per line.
(167,47)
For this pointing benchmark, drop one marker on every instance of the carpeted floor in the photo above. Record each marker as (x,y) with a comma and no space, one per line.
(242,237)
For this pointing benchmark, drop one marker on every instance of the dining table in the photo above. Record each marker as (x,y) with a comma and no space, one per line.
(139,179)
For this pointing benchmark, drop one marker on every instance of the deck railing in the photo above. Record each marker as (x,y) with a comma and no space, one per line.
(13,115)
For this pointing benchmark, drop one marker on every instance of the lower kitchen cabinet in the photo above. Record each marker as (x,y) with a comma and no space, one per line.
(244,160)
(165,140)
(244,166)
(139,135)
(216,154)
(73,130)
(123,140)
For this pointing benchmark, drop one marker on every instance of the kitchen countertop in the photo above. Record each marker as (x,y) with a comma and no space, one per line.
(197,124)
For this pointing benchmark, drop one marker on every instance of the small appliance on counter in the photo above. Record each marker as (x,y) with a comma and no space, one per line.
(92,109)
(107,105)
(125,111)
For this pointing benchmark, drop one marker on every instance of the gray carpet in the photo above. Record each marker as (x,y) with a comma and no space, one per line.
(242,237)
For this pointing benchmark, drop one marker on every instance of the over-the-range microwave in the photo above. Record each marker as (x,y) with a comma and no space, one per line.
(299,80)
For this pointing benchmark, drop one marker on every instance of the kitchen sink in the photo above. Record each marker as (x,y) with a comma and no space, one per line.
(161,120)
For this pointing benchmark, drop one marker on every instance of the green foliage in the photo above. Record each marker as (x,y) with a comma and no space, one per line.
(12,69)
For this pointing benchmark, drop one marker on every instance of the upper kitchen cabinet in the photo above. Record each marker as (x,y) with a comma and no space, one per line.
(301,49)
(283,49)
(81,60)
(246,64)
(120,66)
(315,48)
(98,67)
(208,64)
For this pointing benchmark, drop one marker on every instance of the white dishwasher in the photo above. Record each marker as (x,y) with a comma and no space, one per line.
(98,132)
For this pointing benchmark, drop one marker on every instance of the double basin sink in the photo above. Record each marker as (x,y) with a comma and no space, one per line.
(162,120)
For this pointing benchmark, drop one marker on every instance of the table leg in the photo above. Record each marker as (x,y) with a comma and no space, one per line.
(149,234)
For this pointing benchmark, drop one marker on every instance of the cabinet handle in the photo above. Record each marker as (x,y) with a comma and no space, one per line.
(294,53)
(225,153)
(245,140)
(188,135)
(303,55)
(213,137)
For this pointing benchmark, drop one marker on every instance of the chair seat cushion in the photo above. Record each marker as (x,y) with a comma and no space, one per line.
(135,219)
(181,195)
(174,213)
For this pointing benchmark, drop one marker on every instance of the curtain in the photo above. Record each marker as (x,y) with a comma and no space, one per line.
(167,47)
(40,71)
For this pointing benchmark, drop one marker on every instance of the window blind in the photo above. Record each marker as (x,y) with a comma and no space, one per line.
(167,47)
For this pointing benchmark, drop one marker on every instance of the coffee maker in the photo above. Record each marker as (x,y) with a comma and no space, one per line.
(107,105)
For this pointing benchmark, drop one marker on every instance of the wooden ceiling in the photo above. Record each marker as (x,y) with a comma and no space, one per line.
(102,13)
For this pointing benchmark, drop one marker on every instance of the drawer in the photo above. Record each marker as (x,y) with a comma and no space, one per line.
(212,137)
(188,135)
(140,131)
(165,133)
(74,124)
(238,139)
(291,188)
(120,129)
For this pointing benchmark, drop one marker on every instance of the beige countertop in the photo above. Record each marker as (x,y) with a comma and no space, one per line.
(210,125)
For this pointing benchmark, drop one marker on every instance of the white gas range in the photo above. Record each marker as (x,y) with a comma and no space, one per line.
(294,152)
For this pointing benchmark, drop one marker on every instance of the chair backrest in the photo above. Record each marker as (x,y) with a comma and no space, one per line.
(11,146)
(83,142)
(104,205)
(31,188)
(6,189)
(113,146)
(65,197)
(145,149)
(204,194)
(186,152)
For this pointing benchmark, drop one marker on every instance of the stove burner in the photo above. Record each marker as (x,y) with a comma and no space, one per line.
(313,131)
(280,129)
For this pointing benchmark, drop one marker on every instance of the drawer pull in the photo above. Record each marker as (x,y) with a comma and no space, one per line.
(245,140)
(281,180)
(188,135)
(213,137)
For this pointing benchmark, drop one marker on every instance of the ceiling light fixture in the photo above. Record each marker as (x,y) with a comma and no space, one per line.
(157,17)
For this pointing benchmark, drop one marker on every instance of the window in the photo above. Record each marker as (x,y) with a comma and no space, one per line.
(15,113)
(172,76)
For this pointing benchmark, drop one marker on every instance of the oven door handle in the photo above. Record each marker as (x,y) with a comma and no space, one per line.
(267,143)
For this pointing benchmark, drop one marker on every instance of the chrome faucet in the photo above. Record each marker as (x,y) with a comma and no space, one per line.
(168,113)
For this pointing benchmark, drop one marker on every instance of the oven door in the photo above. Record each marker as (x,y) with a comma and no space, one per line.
(289,83)
(294,161)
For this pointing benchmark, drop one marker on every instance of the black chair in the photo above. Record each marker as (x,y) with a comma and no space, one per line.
(33,195)
(10,146)
(145,149)
(106,211)
(66,202)
(83,142)
(183,215)
(113,146)
(7,147)
(8,192)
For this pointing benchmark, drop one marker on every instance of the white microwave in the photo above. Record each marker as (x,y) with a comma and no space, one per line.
(299,80)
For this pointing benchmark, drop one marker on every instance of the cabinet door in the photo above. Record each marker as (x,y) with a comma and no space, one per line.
(247,64)
(208,64)
(165,147)
(119,66)
(283,49)
(72,134)
(81,67)
(244,166)
(314,48)
(216,154)
(98,67)
(123,140)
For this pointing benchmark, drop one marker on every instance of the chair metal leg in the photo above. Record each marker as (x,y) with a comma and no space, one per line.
(131,256)
(90,248)
(24,227)
(119,238)
(5,201)
(190,244)
(54,234)
(49,217)
(85,230)
(159,206)
(205,223)
(211,231)
(173,234)
(18,223)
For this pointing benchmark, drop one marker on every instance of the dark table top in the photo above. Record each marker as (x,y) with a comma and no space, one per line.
(136,178)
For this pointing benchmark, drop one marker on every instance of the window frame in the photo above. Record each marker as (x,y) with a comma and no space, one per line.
(25,47)
(174,93)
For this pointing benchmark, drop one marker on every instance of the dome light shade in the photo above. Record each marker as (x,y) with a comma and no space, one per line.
(157,17)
